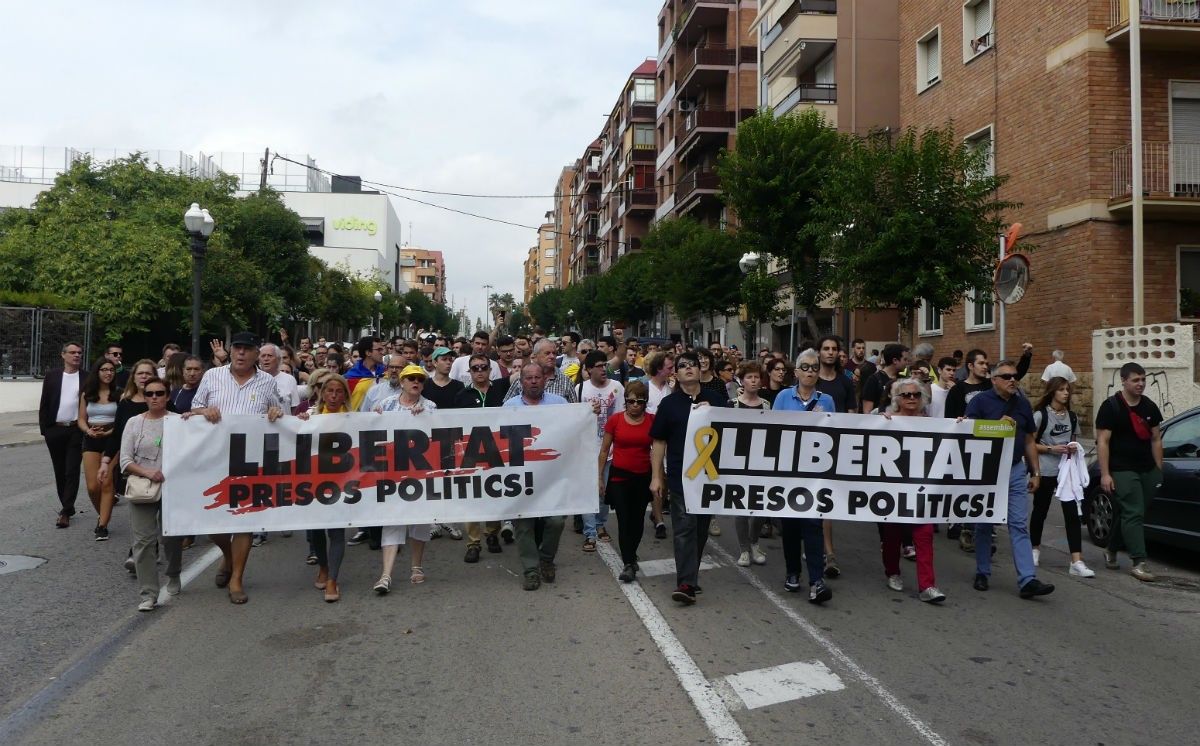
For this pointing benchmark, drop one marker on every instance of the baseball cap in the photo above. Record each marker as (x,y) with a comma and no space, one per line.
(412,370)
(439,351)
(429,337)
(248,339)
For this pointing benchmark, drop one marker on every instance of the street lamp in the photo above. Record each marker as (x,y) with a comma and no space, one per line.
(199,225)
(570,319)
(750,262)
(378,314)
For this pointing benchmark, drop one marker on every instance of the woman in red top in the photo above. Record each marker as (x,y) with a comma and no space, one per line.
(627,435)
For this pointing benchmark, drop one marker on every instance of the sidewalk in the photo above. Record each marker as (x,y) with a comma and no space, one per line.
(18,429)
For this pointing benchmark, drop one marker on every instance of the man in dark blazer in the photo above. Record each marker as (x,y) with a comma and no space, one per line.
(57,415)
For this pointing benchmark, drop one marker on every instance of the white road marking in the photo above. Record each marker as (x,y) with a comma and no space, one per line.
(651,568)
(704,696)
(873,684)
(784,683)
(191,571)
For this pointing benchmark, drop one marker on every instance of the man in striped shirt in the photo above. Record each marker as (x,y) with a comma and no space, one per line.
(556,382)
(237,388)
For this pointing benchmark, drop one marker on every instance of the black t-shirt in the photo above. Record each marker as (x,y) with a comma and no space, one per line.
(768,394)
(841,390)
(960,394)
(468,397)
(878,390)
(1126,451)
(442,396)
(670,424)
(716,387)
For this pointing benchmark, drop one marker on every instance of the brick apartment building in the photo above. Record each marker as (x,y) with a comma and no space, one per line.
(425,270)
(561,217)
(585,214)
(541,267)
(627,196)
(707,83)
(1045,88)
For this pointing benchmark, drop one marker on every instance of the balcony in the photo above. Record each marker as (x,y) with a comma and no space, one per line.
(696,14)
(642,154)
(642,111)
(715,123)
(697,182)
(1167,25)
(819,96)
(1170,180)
(704,65)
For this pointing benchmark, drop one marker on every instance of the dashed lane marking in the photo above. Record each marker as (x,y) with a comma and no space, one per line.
(778,684)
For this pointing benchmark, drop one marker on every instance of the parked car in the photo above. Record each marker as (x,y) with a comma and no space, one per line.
(1173,515)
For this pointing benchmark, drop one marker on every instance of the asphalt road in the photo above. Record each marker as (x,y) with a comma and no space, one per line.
(468,657)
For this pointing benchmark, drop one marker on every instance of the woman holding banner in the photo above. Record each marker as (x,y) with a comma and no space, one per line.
(748,529)
(409,403)
(141,462)
(910,399)
(627,487)
(329,545)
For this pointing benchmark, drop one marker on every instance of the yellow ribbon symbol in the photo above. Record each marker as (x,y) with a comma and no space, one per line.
(706,442)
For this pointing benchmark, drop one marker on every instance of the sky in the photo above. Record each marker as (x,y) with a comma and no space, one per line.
(474,96)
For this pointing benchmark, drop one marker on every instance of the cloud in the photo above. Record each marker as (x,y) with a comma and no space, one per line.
(484,96)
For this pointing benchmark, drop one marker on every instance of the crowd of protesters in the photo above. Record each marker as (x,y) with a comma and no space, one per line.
(108,422)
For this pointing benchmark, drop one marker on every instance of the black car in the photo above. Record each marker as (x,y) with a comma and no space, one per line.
(1173,515)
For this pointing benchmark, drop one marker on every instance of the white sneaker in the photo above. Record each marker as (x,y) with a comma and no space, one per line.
(1037,557)
(744,559)
(1080,570)
(757,555)
(146,605)
(895,582)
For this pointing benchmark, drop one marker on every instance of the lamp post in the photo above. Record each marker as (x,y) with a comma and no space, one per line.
(378,314)
(570,319)
(750,262)
(199,226)
(487,302)
(409,325)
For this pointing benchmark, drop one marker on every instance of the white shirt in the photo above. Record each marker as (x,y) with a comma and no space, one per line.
(1058,369)
(289,391)
(68,399)
(218,388)
(461,370)
(656,395)
(611,398)
(937,401)
(381,390)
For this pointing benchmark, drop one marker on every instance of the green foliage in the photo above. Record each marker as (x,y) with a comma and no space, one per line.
(583,298)
(37,299)
(695,268)
(519,321)
(760,293)
(909,219)
(772,181)
(627,290)
(547,307)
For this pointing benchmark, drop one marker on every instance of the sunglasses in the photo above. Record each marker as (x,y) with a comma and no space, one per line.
(685,366)
(155,393)
(1005,376)
(636,401)
(910,394)
(808,367)
(420,379)
(111,354)
(480,368)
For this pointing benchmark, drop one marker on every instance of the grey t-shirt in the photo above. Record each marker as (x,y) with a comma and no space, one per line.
(1058,433)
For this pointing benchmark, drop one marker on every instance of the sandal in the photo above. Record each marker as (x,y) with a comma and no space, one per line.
(589,544)
(222,578)
(63,521)
(418,575)
(384,585)
(238,597)
(602,534)
(332,593)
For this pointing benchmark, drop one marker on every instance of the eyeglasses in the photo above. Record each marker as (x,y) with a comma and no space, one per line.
(1005,376)
(155,393)
(480,368)
(600,365)
(108,370)
(685,366)
(910,394)
(808,367)
(413,378)
(642,402)
(111,354)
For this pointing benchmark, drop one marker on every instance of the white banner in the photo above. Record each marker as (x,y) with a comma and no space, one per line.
(846,466)
(245,474)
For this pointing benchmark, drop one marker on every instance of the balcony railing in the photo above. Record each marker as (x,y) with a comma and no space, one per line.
(697,178)
(713,118)
(645,197)
(1155,11)
(642,153)
(1169,169)
(710,55)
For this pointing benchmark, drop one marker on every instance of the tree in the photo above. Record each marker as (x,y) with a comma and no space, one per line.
(695,268)
(547,307)
(760,295)
(518,319)
(627,290)
(910,219)
(772,181)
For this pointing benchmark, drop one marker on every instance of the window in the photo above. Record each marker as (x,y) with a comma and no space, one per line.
(1182,439)
(930,320)
(929,59)
(643,92)
(981,140)
(1184,178)
(979,309)
(550,271)
(643,137)
(977,28)
(1189,282)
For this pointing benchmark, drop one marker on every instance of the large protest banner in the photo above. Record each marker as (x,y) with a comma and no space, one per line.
(364,469)
(846,466)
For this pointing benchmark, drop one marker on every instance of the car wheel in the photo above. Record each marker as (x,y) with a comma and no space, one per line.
(1100,522)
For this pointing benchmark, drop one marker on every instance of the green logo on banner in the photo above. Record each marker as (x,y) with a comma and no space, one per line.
(994,429)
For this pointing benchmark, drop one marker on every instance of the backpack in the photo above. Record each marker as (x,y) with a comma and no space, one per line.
(1046,418)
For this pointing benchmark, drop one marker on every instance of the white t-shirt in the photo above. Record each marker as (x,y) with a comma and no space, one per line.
(68,401)
(461,370)
(656,395)
(289,391)
(937,401)
(612,401)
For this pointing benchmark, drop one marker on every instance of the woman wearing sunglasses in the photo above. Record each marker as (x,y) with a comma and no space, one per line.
(910,398)
(141,456)
(328,545)
(627,488)
(97,414)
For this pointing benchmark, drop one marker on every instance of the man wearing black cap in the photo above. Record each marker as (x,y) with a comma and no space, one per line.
(238,388)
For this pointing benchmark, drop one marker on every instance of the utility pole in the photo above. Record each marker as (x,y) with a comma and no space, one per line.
(265,163)
(487,299)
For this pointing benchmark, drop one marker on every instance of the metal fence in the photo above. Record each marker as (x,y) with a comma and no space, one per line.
(31,339)
(1170,169)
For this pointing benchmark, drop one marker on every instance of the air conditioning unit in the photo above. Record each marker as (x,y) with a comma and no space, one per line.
(685,105)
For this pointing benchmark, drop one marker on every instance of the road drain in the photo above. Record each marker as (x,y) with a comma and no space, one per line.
(17,562)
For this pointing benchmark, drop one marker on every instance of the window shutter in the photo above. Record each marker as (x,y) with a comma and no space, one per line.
(1185,120)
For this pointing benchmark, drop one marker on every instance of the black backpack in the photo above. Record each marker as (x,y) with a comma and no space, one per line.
(1046,418)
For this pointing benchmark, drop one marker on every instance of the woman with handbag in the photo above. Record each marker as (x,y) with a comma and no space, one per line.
(97,413)
(141,462)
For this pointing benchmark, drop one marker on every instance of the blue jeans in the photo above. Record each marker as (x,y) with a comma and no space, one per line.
(1018,530)
(593,521)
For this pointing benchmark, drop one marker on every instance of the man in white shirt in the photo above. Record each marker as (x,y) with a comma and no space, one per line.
(58,413)
(660,366)
(289,390)
(607,398)
(461,370)
(1058,369)
(570,348)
